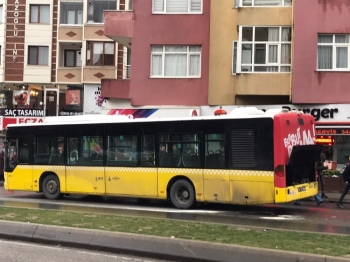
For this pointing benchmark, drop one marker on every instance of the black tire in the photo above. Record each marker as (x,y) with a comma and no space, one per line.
(51,187)
(182,194)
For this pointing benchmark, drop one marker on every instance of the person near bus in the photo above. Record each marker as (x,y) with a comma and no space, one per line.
(175,157)
(346,177)
(320,167)
(2,155)
(163,156)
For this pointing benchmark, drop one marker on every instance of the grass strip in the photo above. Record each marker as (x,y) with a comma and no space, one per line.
(331,245)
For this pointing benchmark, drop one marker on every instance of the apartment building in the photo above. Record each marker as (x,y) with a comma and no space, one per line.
(169,42)
(54,54)
(321,59)
(243,46)
(250,52)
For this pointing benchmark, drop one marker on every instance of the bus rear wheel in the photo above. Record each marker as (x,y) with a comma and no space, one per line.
(51,187)
(182,194)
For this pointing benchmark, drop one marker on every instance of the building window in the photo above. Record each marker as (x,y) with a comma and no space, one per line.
(1,14)
(72,58)
(96,8)
(39,14)
(264,49)
(38,55)
(128,62)
(177,6)
(245,3)
(71,13)
(234,57)
(333,52)
(100,54)
(176,61)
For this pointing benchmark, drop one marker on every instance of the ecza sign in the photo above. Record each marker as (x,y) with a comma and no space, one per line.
(29,120)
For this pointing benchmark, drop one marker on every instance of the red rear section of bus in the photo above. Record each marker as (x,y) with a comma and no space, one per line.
(295,156)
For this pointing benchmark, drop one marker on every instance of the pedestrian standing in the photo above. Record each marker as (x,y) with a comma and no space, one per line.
(346,177)
(2,165)
(320,167)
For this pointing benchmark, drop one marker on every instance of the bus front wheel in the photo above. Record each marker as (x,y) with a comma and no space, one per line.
(51,187)
(182,194)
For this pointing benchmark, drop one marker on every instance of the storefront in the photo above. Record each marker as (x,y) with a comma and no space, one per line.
(332,126)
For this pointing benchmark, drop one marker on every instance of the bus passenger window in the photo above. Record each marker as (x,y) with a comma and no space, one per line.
(215,150)
(148,151)
(163,156)
(73,154)
(121,150)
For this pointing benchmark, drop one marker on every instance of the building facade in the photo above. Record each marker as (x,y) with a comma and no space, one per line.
(321,52)
(53,54)
(321,69)
(235,52)
(250,52)
(169,43)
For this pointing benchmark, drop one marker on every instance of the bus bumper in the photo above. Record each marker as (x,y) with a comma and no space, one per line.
(293,193)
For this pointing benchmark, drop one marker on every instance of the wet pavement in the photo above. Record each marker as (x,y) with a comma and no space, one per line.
(326,218)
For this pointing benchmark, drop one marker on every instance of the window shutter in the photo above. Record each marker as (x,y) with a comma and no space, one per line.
(43,55)
(267,2)
(69,58)
(45,14)
(234,58)
(78,62)
(196,6)
(33,54)
(177,6)
(34,13)
(158,6)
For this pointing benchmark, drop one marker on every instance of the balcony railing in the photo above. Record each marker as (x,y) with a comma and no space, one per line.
(128,70)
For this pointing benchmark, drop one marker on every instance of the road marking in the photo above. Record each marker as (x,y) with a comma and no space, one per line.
(283,217)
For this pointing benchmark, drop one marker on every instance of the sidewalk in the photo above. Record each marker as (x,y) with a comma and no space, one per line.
(166,248)
(333,197)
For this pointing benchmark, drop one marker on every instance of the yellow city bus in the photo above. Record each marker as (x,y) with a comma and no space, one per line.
(245,157)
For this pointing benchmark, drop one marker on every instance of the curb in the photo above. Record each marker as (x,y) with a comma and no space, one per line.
(149,246)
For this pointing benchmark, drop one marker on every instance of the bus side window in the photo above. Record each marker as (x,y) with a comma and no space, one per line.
(23,153)
(215,150)
(147,151)
(73,151)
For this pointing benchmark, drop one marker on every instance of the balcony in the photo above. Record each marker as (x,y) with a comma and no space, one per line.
(119,26)
(69,75)
(115,88)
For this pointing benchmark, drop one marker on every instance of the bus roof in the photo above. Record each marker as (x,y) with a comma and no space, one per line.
(237,113)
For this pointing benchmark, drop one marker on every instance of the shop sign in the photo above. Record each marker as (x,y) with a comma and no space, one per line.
(19,120)
(332,131)
(15,29)
(16,112)
(321,113)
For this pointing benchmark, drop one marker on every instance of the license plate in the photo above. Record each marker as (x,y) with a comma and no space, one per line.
(302,189)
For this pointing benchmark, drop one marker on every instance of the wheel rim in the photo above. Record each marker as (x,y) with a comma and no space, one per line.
(183,195)
(52,187)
